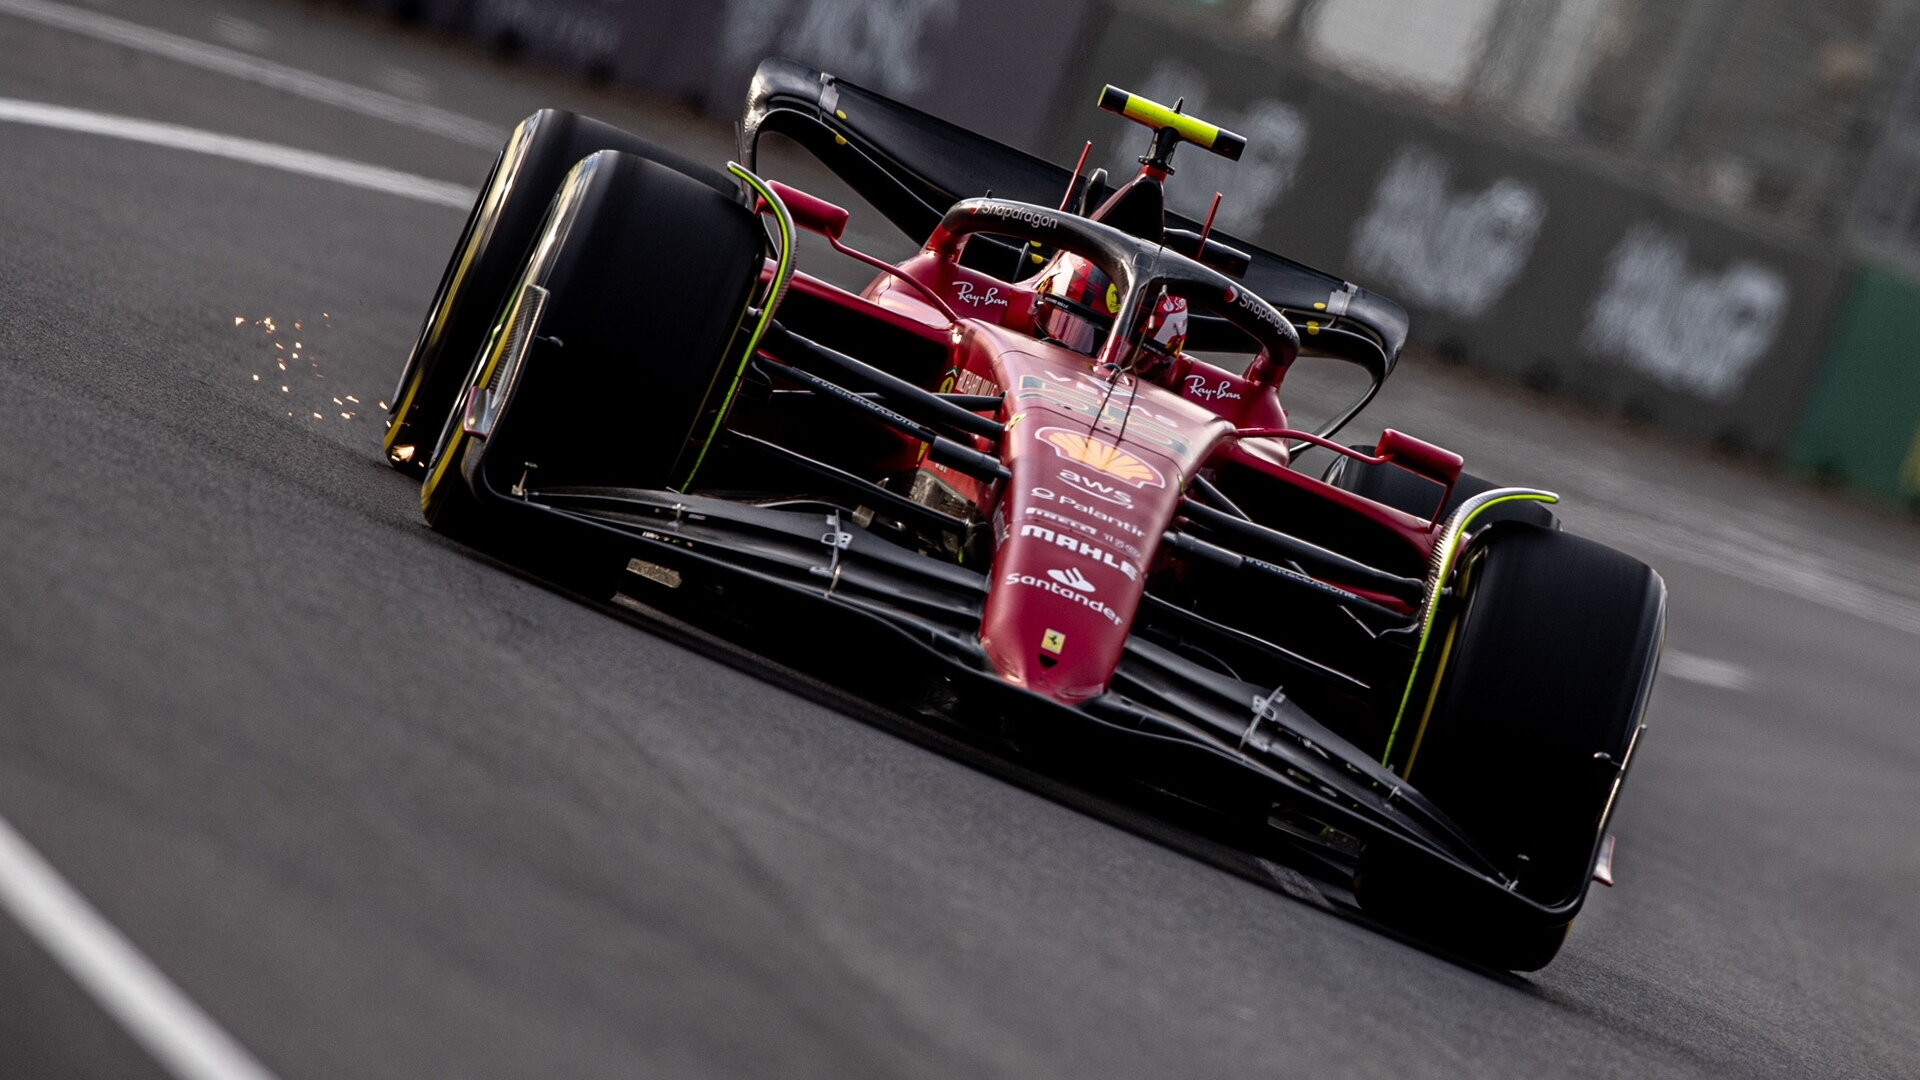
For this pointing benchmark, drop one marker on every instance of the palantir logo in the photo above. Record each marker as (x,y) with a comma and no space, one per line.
(1072,578)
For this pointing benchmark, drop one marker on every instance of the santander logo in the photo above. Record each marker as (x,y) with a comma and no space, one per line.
(1072,578)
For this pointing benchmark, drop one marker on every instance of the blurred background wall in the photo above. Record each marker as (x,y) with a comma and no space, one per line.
(1701,214)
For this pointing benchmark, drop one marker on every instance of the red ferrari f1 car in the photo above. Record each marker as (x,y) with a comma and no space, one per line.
(1033,489)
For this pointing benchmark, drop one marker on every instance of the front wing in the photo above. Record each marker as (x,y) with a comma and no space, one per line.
(802,585)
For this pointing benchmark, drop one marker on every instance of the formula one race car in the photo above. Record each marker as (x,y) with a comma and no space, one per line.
(1032,490)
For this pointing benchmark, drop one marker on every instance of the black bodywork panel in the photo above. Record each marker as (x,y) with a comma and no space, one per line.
(913,166)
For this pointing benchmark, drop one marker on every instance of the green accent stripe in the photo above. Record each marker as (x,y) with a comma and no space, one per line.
(1449,552)
(782,271)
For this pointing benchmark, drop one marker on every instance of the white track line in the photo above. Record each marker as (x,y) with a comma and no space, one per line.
(179,1034)
(345,95)
(273,156)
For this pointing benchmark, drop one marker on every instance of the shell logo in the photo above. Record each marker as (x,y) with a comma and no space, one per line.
(1101,457)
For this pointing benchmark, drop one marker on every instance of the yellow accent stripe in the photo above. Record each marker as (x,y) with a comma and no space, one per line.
(494,196)
(1154,114)
(1449,551)
(1910,469)
(1433,696)
(782,271)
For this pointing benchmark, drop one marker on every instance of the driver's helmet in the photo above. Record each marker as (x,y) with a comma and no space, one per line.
(1077,303)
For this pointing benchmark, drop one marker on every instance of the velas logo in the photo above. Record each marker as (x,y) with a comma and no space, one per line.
(1072,578)
(1083,449)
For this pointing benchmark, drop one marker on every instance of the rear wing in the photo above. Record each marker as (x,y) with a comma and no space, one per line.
(912,167)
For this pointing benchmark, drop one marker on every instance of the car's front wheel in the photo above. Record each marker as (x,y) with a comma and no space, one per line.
(488,258)
(1544,669)
(616,343)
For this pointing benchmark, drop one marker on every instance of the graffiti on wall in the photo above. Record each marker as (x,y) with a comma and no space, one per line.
(1276,134)
(876,43)
(1455,250)
(1697,331)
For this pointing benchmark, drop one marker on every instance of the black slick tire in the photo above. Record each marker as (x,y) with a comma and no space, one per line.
(1543,681)
(646,275)
(1391,485)
(488,257)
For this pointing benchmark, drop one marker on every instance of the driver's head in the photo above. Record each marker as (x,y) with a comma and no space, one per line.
(1078,302)
(1165,336)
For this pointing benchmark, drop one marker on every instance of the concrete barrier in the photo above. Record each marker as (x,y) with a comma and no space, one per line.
(996,66)
(1512,257)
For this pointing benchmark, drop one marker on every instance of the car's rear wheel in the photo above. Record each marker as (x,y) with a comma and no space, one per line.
(486,260)
(617,344)
(1543,676)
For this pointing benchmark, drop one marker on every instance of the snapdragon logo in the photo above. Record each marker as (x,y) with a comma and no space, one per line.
(1030,216)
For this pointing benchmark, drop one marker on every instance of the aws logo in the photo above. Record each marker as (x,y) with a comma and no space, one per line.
(1104,458)
(1108,492)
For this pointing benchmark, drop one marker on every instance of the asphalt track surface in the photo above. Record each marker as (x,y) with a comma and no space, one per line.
(382,809)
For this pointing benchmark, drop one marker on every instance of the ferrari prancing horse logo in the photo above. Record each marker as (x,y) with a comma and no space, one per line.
(1107,458)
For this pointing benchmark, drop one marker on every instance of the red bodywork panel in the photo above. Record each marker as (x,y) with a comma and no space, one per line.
(1099,466)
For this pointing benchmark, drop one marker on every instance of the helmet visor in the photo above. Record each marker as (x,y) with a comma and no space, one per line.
(1072,325)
